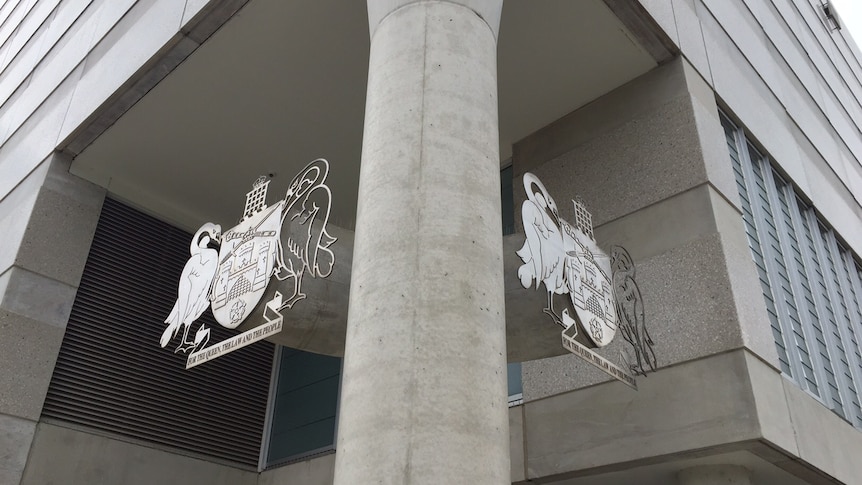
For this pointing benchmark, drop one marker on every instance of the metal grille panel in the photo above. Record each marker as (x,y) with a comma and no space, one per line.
(111,374)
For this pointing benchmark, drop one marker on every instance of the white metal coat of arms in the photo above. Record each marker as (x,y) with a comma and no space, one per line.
(231,271)
(566,259)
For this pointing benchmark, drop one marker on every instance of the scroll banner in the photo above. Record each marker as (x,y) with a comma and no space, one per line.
(601,363)
(272,327)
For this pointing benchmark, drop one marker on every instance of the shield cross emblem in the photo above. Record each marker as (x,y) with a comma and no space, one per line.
(247,259)
(591,289)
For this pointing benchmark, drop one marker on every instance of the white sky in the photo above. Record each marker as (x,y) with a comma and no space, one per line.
(850,13)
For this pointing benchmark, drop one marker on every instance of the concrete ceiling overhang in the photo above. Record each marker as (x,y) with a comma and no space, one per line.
(282,83)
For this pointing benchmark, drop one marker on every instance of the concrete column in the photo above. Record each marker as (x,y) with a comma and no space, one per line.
(424,389)
(715,475)
(47,223)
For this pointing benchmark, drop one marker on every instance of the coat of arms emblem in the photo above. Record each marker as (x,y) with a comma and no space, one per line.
(246,259)
(566,259)
(231,271)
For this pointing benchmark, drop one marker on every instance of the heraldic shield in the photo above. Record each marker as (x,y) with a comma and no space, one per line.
(590,285)
(246,260)
(566,259)
(229,272)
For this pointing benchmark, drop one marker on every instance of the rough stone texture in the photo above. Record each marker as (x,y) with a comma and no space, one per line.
(699,404)
(28,351)
(715,475)
(36,297)
(319,324)
(316,471)
(36,294)
(689,312)
(52,217)
(65,456)
(424,382)
(651,164)
(631,102)
(662,226)
(16,435)
(638,156)
(652,138)
(61,225)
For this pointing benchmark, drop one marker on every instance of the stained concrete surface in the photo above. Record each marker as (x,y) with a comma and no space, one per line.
(62,456)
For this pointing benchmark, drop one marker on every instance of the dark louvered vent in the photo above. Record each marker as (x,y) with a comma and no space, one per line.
(111,373)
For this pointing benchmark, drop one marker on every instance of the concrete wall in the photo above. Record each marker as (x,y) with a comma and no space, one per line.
(775,67)
(650,162)
(64,61)
(66,456)
(48,222)
(793,83)
(68,69)
(727,402)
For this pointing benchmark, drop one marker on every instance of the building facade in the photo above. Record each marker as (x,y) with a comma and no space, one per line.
(718,141)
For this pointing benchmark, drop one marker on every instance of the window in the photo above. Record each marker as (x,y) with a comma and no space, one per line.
(811,283)
(507,199)
(515,387)
(304,408)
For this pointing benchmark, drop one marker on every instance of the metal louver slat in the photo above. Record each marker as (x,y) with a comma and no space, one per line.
(735,141)
(111,374)
(845,334)
(815,280)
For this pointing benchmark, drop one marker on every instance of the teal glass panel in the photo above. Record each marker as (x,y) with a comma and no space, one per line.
(305,405)
(514,375)
(507,201)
